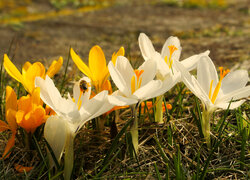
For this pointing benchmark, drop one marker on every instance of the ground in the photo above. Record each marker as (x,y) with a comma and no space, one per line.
(225,32)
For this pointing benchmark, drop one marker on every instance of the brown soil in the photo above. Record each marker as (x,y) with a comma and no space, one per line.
(226,32)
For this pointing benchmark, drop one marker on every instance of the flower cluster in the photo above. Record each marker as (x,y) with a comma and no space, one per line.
(93,95)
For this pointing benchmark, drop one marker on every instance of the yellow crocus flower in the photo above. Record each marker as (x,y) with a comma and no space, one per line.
(97,70)
(30,71)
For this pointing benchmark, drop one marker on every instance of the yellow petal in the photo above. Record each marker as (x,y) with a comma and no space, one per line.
(26,67)
(97,64)
(54,67)
(80,64)
(120,52)
(11,119)
(10,144)
(3,126)
(11,69)
(36,69)
(11,99)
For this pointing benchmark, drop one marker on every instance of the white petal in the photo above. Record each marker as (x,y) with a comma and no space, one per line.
(149,68)
(119,100)
(149,90)
(191,62)
(119,80)
(234,80)
(165,49)
(124,67)
(146,46)
(206,72)
(186,78)
(237,94)
(233,105)
(39,82)
(169,82)
(162,67)
(55,132)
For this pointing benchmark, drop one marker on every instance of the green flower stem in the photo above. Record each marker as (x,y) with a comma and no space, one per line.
(69,156)
(134,127)
(159,113)
(205,125)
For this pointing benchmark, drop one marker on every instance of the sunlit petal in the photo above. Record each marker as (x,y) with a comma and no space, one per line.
(97,64)
(11,69)
(206,72)
(146,46)
(234,80)
(55,133)
(54,67)
(191,62)
(80,64)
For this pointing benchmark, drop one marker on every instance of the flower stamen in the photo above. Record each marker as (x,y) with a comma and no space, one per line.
(223,73)
(169,60)
(137,85)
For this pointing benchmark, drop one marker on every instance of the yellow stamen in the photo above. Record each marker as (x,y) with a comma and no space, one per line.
(79,102)
(210,90)
(169,60)
(133,84)
(223,73)
(136,86)
(172,49)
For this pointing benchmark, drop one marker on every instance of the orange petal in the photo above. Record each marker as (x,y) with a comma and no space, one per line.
(11,99)
(11,119)
(107,86)
(115,108)
(32,119)
(54,67)
(3,126)
(10,144)
(21,169)
(25,103)
(19,117)
(36,97)
(11,69)
(36,69)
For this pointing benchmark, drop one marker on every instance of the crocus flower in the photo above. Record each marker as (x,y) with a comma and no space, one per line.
(134,87)
(215,92)
(10,113)
(97,70)
(30,71)
(72,114)
(166,69)
(30,113)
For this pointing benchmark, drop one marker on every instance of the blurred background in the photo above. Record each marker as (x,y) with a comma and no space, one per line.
(43,30)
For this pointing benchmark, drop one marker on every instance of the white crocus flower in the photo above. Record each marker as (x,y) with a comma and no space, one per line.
(72,114)
(134,87)
(215,92)
(166,68)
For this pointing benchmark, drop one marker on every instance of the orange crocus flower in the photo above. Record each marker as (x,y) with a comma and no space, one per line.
(31,113)
(31,71)
(10,113)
